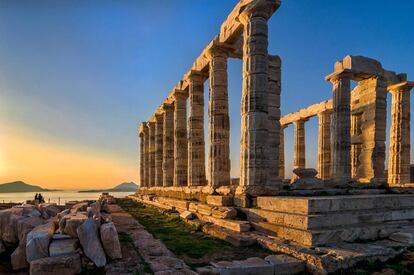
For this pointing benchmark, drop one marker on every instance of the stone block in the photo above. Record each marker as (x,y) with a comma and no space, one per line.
(403,237)
(110,241)
(18,258)
(235,225)
(222,212)
(204,209)
(192,207)
(62,247)
(250,266)
(284,264)
(62,265)
(236,239)
(89,240)
(220,200)
(37,245)
(187,215)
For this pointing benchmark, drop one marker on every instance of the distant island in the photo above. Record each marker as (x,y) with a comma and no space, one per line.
(20,186)
(123,187)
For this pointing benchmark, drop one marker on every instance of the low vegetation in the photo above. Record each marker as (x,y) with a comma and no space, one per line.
(184,240)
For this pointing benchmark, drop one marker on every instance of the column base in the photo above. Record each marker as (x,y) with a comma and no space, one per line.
(258,190)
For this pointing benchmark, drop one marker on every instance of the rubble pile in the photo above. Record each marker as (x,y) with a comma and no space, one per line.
(52,241)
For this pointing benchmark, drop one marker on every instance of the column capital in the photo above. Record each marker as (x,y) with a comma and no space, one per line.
(325,112)
(178,93)
(158,116)
(218,50)
(404,86)
(166,106)
(301,120)
(195,76)
(337,75)
(258,8)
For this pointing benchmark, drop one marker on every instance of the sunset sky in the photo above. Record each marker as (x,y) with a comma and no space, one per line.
(77,77)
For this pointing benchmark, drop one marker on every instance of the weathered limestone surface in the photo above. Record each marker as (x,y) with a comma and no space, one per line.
(274,87)
(141,155)
(368,107)
(37,241)
(299,160)
(168,143)
(180,140)
(218,119)
(282,152)
(89,240)
(324,145)
(399,150)
(62,265)
(146,157)
(159,149)
(62,247)
(341,151)
(196,155)
(151,153)
(254,158)
(110,241)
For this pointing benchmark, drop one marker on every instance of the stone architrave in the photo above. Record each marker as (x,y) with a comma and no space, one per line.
(168,152)
(282,152)
(273,102)
(324,145)
(196,146)
(254,158)
(341,149)
(299,157)
(180,139)
(218,119)
(151,153)
(146,155)
(399,150)
(159,148)
(141,156)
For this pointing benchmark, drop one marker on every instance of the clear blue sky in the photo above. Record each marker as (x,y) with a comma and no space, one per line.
(84,73)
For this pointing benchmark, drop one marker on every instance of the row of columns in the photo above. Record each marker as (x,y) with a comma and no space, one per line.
(260,112)
(335,155)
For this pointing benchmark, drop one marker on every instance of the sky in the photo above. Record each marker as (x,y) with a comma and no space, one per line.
(78,76)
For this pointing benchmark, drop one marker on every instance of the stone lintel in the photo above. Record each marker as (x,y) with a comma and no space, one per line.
(195,75)
(402,86)
(307,113)
(339,74)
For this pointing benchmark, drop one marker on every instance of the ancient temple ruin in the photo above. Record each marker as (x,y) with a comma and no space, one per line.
(363,203)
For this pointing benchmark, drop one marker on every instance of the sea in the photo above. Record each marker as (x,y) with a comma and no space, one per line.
(58,197)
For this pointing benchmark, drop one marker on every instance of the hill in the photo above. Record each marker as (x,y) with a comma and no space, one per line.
(123,187)
(20,186)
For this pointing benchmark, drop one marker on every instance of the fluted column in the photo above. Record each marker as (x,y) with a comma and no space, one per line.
(159,148)
(196,149)
(341,150)
(324,145)
(254,158)
(218,119)
(146,155)
(180,139)
(151,153)
(273,100)
(299,158)
(399,150)
(141,155)
(282,152)
(168,142)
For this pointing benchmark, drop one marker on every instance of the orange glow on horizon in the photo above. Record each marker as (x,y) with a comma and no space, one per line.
(23,156)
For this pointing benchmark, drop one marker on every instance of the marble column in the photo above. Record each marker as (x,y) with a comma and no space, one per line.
(273,107)
(159,148)
(151,154)
(218,119)
(168,142)
(399,150)
(299,157)
(196,149)
(324,145)
(254,147)
(282,152)
(341,150)
(180,139)
(141,157)
(146,154)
